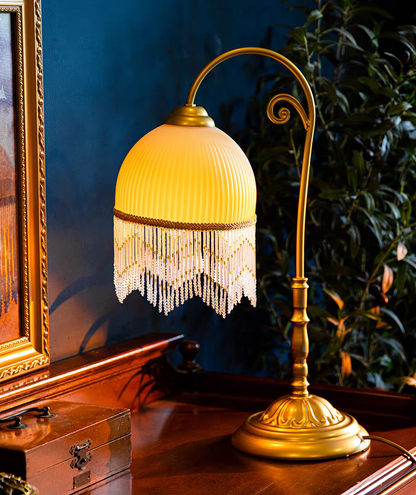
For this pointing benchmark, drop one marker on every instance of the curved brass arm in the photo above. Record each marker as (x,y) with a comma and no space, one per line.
(300,341)
(308,122)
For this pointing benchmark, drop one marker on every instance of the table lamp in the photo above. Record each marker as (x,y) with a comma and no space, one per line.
(184,225)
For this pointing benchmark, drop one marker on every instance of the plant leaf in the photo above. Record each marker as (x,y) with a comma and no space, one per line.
(346,366)
(371,10)
(333,320)
(401,251)
(399,108)
(314,16)
(388,279)
(395,318)
(409,380)
(336,298)
(355,240)
(333,194)
(398,37)
(394,344)
(401,276)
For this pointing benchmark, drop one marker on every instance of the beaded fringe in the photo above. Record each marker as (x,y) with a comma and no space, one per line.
(170,266)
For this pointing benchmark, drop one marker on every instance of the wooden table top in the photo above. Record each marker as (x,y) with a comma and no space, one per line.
(180,447)
(181,443)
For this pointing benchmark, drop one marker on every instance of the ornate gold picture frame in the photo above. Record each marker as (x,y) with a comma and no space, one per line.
(24,335)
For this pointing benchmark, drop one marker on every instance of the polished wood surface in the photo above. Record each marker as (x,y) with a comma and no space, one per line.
(42,453)
(108,459)
(397,475)
(119,484)
(184,419)
(110,376)
(180,443)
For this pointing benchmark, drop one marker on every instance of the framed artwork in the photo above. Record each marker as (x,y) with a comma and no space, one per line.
(24,335)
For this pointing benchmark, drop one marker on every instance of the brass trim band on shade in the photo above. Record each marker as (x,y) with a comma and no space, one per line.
(166,224)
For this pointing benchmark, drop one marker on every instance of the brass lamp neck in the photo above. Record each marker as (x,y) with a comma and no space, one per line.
(189,113)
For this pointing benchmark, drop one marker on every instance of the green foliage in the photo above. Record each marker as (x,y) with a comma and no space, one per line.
(361,218)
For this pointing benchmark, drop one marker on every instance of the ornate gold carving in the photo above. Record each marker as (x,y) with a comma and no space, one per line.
(42,185)
(13,343)
(320,441)
(26,366)
(11,484)
(166,224)
(32,206)
(22,148)
(23,382)
(296,412)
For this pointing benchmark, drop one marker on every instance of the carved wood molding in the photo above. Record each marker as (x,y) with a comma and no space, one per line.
(85,370)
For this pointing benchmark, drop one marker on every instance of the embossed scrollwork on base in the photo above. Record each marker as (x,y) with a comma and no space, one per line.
(295,412)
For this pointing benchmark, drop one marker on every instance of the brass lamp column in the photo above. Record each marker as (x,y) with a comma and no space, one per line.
(299,426)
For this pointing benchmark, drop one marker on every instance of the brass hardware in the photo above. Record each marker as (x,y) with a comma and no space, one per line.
(17,425)
(81,479)
(300,425)
(44,412)
(81,455)
(189,115)
(11,484)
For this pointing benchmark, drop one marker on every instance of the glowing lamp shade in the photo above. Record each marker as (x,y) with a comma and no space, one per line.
(184,219)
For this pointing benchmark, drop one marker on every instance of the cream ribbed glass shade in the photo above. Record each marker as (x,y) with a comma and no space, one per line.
(187,174)
(185,219)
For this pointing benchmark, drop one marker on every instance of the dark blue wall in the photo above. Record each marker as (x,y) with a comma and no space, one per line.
(113,71)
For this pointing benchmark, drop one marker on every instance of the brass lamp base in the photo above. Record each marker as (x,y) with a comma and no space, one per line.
(300,428)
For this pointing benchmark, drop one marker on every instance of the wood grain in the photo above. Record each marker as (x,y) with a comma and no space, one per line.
(110,376)
(45,441)
(177,444)
(181,444)
(107,460)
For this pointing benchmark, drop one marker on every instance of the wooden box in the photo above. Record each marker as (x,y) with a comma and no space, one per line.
(82,445)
